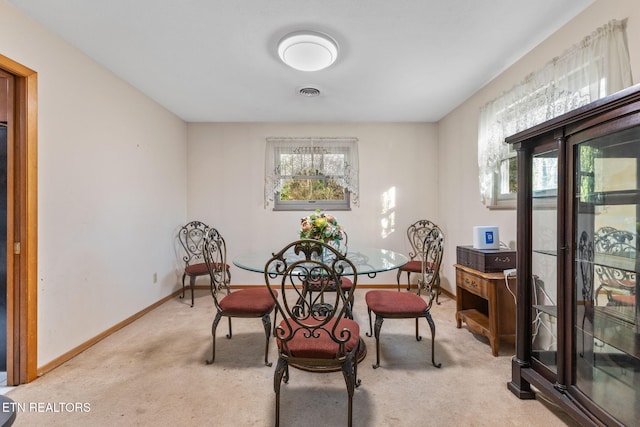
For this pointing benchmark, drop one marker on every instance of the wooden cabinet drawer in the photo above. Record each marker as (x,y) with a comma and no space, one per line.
(472,283)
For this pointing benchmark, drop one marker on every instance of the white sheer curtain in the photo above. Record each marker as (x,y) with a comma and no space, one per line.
(595,67)
(345,173)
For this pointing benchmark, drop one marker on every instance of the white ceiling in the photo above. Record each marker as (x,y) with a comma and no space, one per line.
(216,60)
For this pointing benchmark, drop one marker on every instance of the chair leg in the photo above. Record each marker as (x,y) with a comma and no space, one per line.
(432,325)
(192,284)
(378,326)
(356,354)
(370,333)
(214,326)
(350,369)
(350,415)
(349,373)
(184,275)
(229,335)
(282,370)
(349,304)
(266,322)
(418,337)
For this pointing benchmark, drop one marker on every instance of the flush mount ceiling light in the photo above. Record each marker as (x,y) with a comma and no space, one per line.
(308,50)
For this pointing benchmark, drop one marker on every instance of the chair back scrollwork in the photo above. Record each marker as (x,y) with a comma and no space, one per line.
(619,284)
(612,241)
(191,238)
(215,256)
(319,266)
(432,249)
(416,233)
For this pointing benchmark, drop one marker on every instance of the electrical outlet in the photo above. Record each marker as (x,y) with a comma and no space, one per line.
(155,277)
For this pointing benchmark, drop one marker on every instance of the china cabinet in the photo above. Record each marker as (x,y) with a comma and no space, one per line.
(578,323)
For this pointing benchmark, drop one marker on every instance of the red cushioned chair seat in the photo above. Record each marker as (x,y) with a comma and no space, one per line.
(390,303)
(198,269)
(619,283)
(412,266)
(622,299)
(321,347)
(347,284)
(248,301)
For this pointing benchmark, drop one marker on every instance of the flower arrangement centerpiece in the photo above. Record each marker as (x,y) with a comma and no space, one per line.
(321,226)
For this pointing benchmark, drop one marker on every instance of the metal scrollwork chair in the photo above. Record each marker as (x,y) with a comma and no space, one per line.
(317,334)
(619,284)
(416,234)
(345,283)
(246,303)
(191,238)
(407,305)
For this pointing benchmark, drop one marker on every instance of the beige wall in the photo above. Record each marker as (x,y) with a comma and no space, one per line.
(458,196)
(111,189)
(398,161)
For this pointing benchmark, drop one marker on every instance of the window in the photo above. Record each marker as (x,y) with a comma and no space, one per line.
(506,179)
(311,173)
(597,66)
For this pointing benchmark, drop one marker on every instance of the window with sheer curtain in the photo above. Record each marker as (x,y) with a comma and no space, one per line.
(311,173)
(593,68)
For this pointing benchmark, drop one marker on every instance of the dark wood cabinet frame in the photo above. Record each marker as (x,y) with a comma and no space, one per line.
(611,114)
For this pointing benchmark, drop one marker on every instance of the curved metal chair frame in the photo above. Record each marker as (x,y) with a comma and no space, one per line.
(191,238)
(244,303)
(416,234)
(401,305)
(346,283)
(316,334)
(618,284)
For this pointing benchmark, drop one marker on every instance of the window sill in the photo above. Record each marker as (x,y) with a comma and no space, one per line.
(504,207)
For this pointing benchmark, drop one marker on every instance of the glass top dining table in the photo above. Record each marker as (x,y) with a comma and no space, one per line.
(366,260)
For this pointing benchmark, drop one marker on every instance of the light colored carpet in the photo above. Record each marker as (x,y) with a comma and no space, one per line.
(153,372)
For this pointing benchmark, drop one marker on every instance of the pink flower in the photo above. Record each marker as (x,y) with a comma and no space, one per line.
(306,225)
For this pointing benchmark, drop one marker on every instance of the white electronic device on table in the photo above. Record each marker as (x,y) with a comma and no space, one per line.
(486,237)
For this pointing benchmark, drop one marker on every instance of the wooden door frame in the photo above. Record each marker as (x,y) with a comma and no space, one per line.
(22,227)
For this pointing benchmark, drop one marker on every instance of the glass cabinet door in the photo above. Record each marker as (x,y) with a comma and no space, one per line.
(606,323)
(544,259)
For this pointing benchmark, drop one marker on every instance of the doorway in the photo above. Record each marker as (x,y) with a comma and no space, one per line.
(3,241)
(5,102)
(18,115)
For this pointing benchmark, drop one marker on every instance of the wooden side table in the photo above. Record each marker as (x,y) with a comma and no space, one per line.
(485,304)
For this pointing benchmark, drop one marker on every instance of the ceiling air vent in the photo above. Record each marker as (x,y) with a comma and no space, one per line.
(309,91)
